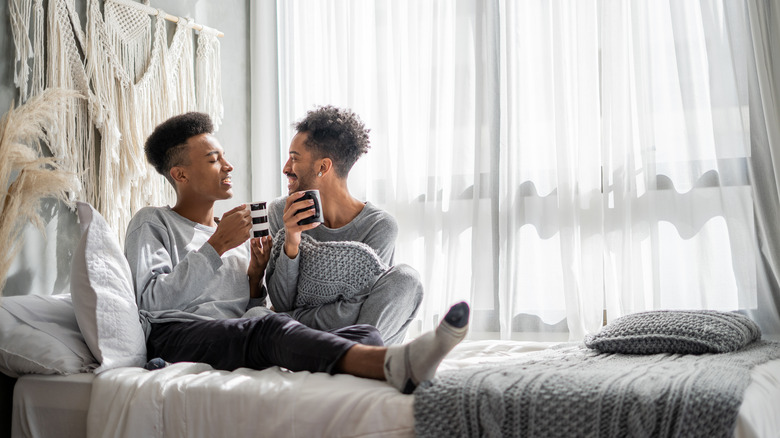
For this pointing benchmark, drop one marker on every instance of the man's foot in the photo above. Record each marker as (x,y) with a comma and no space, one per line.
(409,364)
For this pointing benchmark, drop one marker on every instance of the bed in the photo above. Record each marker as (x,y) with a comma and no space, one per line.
(78,363)
(194,400)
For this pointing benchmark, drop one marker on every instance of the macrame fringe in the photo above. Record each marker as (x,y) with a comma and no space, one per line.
(132,81)
(165,89)
(19,14)
(74,141)
(130,34)
(209,76)
(38,77)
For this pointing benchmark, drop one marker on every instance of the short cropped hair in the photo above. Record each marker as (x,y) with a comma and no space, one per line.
(337,134)
(166,147)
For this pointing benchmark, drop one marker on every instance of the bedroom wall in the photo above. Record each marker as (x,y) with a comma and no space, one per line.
(43,266)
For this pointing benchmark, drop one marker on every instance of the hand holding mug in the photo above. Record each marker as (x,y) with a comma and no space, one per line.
(303,211)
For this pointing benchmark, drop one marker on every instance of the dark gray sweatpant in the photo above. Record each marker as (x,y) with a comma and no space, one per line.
(269,340)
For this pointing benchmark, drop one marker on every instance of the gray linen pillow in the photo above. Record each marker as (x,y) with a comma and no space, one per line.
(675,331)
(39,335)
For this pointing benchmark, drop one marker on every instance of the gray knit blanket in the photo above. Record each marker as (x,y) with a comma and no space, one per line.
(331,271)
(572,391)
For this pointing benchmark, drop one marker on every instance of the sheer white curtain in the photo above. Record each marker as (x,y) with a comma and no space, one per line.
(764,165)
(546,161)
(679,222)
(550,215)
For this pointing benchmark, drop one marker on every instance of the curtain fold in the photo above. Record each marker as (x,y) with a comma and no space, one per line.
(551,215)
(764,166)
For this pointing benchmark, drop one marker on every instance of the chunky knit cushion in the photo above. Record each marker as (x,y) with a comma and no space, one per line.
(670,331)
(331,271)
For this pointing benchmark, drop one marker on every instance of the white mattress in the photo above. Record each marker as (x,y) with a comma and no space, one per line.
(759,415)
(194,400)
(51,406)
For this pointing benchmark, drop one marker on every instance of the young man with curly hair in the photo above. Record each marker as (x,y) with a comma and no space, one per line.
(328,143)
(199,281)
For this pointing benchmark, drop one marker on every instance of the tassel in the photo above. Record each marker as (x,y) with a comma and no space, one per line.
(19,13)
(209,76)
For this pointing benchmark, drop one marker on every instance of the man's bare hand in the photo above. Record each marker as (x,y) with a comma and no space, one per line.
(292,230)
(261,253)
(232,230)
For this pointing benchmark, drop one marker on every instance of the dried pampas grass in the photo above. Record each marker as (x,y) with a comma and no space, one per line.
(26,176)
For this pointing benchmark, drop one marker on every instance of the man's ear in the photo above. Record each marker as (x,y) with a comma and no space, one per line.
(326,165)
(178,174)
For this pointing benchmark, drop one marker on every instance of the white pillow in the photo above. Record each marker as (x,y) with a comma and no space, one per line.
(103,296)
(39,335)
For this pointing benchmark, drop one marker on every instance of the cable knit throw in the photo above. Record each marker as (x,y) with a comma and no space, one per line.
(573,391)
(329,271)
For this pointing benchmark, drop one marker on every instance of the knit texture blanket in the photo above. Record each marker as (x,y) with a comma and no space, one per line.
(572,391)
(331,271)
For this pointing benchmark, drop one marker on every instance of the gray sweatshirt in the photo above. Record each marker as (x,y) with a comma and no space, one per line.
(178,276)
(372,226)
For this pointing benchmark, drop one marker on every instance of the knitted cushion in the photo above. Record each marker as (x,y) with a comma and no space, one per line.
(331,271)
(669,331)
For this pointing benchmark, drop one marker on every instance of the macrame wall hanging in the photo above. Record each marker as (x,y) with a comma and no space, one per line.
(133,80)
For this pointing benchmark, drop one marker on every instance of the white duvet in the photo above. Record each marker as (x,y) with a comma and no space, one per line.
(194,400)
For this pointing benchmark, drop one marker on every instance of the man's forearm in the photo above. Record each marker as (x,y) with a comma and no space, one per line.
(291,249)
(255,286)
(164,287)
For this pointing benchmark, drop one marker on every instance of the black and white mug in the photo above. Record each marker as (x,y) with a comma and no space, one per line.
(259,219)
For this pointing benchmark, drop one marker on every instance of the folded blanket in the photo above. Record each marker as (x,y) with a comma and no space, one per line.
(574,391)
(331,271)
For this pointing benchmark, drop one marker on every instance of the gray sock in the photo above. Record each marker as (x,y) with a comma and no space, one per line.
(409,364)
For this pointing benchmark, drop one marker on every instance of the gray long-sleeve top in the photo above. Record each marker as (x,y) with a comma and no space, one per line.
(372,226)
(178,275)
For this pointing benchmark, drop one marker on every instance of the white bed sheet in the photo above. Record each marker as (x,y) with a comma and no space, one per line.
(194,400)
(198,401)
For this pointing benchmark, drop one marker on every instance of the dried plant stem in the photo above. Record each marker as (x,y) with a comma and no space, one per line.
(25,176)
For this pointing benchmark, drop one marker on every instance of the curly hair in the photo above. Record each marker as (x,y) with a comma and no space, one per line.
(335,133)
(166,146)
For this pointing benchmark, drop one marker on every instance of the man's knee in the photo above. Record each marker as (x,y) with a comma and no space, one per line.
(406,282)
(361,333)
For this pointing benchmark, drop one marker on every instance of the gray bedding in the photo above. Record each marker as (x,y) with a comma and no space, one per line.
(571,391)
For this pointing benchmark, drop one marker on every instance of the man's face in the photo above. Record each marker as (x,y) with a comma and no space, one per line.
(208,172)
(301,166)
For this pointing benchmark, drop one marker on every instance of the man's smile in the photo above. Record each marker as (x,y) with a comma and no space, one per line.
(291,179)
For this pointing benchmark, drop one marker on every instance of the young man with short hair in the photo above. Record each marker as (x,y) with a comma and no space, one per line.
(199,281)
(328,143)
